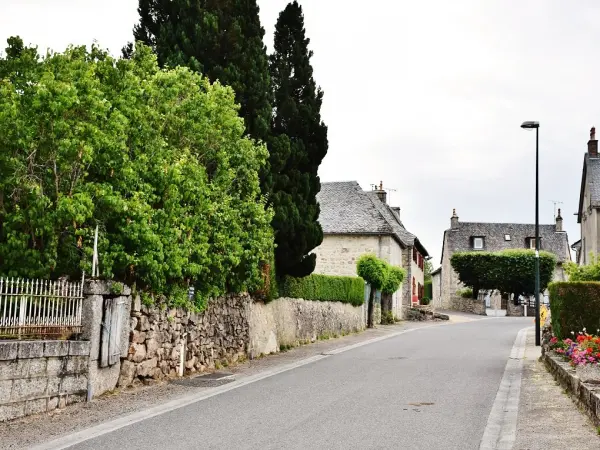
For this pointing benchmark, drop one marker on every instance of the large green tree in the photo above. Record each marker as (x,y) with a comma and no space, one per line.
(297,146)
(156,158)
(221,39)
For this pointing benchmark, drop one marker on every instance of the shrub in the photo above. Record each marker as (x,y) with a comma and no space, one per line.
(325,288)
(465,293)
(509,271)
(425,301)
(574,305)
(387,318)
(156,158)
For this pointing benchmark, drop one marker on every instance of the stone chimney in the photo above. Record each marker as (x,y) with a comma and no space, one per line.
(454,220)
(593,144)
(381,193)
(559,219)
(396,210)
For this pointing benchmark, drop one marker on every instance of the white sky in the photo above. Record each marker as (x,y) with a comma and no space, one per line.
(426,96)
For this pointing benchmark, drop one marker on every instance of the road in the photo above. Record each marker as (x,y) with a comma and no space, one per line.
(432,388)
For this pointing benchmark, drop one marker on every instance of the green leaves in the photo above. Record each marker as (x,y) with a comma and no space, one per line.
(325,288)
(509,271)
(575,305)
(156,158)
(393,280)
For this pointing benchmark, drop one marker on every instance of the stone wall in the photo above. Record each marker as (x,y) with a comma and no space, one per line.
(218,335)
(458,303)
(39,376)
(287,322)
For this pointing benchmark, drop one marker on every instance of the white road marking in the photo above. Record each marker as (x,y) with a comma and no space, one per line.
(501,429)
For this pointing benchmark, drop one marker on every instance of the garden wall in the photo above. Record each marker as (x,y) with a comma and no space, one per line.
(289,321)
(39,376)
(458,303)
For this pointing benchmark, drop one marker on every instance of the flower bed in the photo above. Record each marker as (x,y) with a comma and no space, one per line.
(583,350)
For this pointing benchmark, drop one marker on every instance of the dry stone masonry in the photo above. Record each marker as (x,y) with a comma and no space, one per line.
(218,335)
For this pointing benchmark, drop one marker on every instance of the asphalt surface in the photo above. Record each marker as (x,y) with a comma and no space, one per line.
(432,388)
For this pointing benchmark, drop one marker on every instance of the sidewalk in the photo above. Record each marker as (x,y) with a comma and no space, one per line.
(548,419)
(32,430)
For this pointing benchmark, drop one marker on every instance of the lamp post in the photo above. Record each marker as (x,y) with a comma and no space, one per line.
(530,125)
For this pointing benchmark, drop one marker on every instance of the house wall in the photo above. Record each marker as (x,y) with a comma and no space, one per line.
(436,293)
(589,228)
(337,255)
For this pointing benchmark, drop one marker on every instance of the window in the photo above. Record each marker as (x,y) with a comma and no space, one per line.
(478,243)
(507,237)
(531,243)
(414,254)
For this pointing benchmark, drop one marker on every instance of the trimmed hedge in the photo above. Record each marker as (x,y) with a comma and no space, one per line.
(574,305)
(325,288)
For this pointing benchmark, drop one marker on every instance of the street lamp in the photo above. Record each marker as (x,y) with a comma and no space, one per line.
(530,125)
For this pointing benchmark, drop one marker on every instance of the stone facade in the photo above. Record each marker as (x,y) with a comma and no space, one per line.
(337,255)
(290,321)
(218,335)
(588,215)
(39,376)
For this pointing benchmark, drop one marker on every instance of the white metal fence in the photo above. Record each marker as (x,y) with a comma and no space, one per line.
(40,308)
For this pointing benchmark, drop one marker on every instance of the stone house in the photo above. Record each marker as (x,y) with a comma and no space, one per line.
(356,222)
(474,236)
(588,215)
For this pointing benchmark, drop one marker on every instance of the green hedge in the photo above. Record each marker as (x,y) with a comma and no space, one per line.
(325,288)
(574,305)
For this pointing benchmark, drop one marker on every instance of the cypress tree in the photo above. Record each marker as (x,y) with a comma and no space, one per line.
(222,39)
(298,145)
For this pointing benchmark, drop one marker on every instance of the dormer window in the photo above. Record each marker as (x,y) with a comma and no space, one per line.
(507,237)
(478,243)
(531,243)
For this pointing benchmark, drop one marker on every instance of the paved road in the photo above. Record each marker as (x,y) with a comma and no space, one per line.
(365,398)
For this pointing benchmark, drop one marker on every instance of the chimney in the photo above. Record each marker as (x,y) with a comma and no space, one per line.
(559,219)
(454,220)
(381,193)
(396,210)
(593,144)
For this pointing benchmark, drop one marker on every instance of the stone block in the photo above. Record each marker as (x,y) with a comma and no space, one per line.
(12,411)
(28,388)
(152,346)
(127,373)
(138,337)
(37,406)
(52,403)
(54,386)
(96,287)
(56,348)
(91,321)
(76,398)
(8,350)
(73,384)
(79,348)
(17,368)
(5,389)
(139,352)
(77,364)
(37,367)
(55,366)
(31,349)
(146,368)
(103,379)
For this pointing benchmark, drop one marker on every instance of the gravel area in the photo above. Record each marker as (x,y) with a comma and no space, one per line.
(548,418)
(28,431)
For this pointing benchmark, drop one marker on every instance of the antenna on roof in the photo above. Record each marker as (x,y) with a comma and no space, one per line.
(556,202)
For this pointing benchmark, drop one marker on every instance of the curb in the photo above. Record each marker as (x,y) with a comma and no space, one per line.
(585,395)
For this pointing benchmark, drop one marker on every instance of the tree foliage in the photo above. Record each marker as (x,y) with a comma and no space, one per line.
(509,271)
(156,158)
(575,307)
(590,272)
(297,147)
(372,269)
(221,39)
(394,278)
(325,288)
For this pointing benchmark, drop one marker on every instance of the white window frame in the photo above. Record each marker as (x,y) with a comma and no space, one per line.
(478,239)
(532,243)
(507,237)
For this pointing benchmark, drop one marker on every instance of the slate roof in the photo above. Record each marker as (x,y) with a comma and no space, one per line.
(551,240)
(591,174)
(347,209)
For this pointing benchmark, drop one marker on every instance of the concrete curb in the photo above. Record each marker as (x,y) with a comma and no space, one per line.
(585,395)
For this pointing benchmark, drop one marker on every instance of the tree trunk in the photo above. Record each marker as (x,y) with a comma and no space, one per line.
(386,303)
(370,309)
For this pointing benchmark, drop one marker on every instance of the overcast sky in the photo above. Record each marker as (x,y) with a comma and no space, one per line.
(426,96)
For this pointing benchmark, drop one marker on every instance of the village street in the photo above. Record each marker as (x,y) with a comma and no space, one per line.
(431,387)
